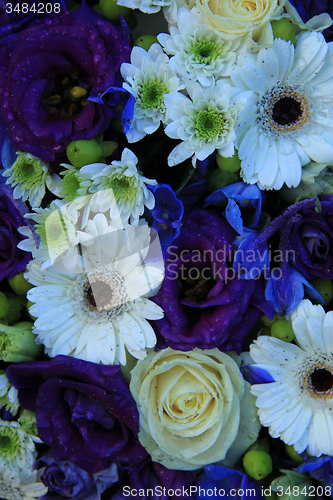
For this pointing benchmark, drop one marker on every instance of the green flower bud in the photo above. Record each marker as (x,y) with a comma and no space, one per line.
(268,322)
(17,343)
(146,41)
(19,285)
(216,179)
(28,422)
(231,164)
(282,330)
(324,287)
(4,305)
(83,152)
(257,464)
(296,457)
(290,485)
(284,28)
(111,9)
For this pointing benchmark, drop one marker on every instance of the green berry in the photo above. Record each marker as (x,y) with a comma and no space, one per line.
(145,41)
(296,457)
(83,152)
(231,164)
(284,28)
(111,9)
(324,287)
(19,285)
(29,304)
(257,464)
(216,179)
(282,330)
(4,305)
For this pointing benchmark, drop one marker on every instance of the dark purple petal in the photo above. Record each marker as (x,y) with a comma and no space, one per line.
(85,411)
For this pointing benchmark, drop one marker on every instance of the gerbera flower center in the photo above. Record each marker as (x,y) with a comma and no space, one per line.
(211,124)
(151,94)
(100,293)
(68,98)
(316,377)
(283,110)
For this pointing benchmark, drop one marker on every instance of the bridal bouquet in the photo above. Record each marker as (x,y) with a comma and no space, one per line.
(166,249)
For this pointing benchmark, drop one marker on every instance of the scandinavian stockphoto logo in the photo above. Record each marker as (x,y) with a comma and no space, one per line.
(118,262)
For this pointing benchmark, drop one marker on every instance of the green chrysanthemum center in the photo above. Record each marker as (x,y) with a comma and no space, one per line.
(207,51)
(70,184)
(124,188)
(27,171)
(151,94)
(52,230)
(211,124)
(9,443)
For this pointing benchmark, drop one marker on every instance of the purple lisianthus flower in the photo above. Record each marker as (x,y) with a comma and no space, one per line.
(66,480)
(154,481)
(48,73)
(227,483)
(205,303)
(167,214)
(310,8)
(85,411)
(12,259)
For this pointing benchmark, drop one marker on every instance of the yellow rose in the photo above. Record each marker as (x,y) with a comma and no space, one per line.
(189,405)
(236,18)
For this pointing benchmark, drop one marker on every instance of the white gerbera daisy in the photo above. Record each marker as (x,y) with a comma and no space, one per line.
(28,176)
(204,122)
(8,394)
(198,52)
(17,449)
(290,118)
(298,405)
(149,78)
(20,485)
(94,314)
(123,185)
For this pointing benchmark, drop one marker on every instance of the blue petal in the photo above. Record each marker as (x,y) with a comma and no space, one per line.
(234,216)
(313,464)
(115,96)
(285,289)
(250,259)
(255,375)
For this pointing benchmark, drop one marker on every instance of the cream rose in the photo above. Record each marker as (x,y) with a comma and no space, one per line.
(236,18)
(190,405)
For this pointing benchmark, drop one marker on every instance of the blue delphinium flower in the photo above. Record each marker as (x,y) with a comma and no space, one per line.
(227,483)
(167,214)
(320,468)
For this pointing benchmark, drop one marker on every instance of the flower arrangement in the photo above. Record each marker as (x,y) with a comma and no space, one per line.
(166,249)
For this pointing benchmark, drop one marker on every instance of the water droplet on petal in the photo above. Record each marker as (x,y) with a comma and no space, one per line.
(48,21)
(107,30)
(10,117)
(56,148)
(6,93)
(97,58)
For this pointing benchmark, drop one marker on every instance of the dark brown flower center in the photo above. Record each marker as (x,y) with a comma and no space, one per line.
(286,111)
(321,380)
(98,294)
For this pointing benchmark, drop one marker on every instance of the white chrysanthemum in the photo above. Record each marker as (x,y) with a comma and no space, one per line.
(204,123)
(73,184)
(28,176)
(57,232)
(298,405)
(198,52)
(290,118)
(20,485)
(17,449)
(149,78)
(123,185)
(97,312)
(8,394)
